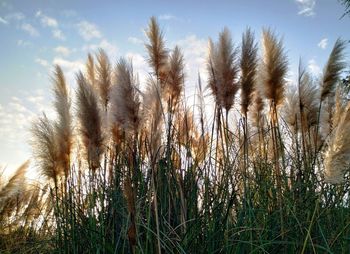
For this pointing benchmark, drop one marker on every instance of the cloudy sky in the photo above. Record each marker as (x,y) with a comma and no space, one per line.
(35,35)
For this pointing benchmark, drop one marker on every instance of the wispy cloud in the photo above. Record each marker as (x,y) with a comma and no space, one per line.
(30,29)
(16,117)
(306,7)
(62,50)
(88,30)
(52,23)
(22,43)
(314,68)
(140,66)
(135,40)
(58,34)
(110,49)
(15,120)
(3,21)
(42,62)
(195,52)
(66,64)
(166,17)
(46,20)
(323,43)
(18,16)
(69,67)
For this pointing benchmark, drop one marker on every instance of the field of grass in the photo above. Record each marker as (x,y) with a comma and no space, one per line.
(260,169)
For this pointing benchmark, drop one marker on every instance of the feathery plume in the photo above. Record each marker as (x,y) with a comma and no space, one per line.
(153,117)
(291,108)
(63,127)
(301,104)
(257,109)
(45,148)
(158,54)
(124,97)
(15,184)
(331,114)
(337,155)
(201,106)
(90,70)
(274,67)
(89,116)
(333,68)
(339,106)
(189,137)
(223,69)
(248,65)
(104,79)
(175,77)
(308,100)
(185,126)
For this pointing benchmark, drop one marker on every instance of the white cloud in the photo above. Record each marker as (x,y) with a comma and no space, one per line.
(15,119)
(3,21)
(42,62)
(46,20)
(140,66)
(323,43)
(70,68)
(18,16)
(15,122)
(57,33)
(22,43)
(314,68)
(52,23)
(62,50)
(30,29)
(37,99)
(66,64)
(195,52)
(110,49)
(88,30)
(306,7)
(135,40)
(166,17)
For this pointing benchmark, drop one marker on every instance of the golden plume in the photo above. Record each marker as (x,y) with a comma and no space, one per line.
(274,67)
(158,54)
(90,70)
(222,68)
(63,126)
(124,97)
(333,68)
(337,154)
(89,117)
(175,76)
(14,185)
(45,148)
(248,63)
(153,118)
(104,79)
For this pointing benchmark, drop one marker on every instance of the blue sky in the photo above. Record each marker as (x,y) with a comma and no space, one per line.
(35,35)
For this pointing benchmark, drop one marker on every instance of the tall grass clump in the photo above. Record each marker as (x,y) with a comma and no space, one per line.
(130,166)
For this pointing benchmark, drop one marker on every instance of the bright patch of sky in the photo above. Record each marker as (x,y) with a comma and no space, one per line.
(35,35)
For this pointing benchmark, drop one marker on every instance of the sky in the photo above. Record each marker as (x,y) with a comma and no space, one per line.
(36,35)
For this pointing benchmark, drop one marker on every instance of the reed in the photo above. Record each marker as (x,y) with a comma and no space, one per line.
(272,178)
(89,115)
